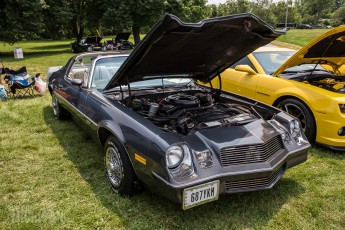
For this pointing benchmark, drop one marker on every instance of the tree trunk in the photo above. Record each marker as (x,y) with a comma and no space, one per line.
(136,34)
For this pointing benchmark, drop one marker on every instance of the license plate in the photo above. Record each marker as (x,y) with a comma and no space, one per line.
(200,194)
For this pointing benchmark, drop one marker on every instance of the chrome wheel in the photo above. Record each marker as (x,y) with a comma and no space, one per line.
(55,106)
(114,166)
(302,112)
(297,112)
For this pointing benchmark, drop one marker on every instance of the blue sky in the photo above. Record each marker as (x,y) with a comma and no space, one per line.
(216,1)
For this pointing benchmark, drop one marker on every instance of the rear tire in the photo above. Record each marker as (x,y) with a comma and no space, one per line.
(302,112)
(120,173)
(59,112)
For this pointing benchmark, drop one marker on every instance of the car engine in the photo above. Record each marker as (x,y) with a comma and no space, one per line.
(330,84)
(322,79)
(185,112)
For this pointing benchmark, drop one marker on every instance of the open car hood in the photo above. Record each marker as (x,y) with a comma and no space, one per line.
(199,51)
(91,39)
(122,36)
(327,49)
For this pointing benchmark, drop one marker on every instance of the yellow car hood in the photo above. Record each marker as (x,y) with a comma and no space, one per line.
(327,49)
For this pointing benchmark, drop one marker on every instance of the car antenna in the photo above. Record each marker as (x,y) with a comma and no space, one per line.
(319,61)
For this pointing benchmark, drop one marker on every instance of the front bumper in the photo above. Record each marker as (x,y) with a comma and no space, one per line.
(327,131)
(234,179)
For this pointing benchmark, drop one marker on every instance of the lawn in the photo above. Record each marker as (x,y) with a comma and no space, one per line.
(51,176)
(300,37)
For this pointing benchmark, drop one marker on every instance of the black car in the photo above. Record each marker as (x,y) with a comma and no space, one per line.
(120,42)
(90,43)
(304,26)
(158,127)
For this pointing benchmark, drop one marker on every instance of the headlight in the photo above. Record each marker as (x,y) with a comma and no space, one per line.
(179,161)
(283,131)
(174,156)
(295,131)
(204,158)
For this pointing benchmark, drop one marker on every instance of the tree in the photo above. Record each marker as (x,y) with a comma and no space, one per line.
(234,7)
(313,10)
(339,14)
(73,17)
(57,18)
(279,10)
(20,20)
(134,13)
(174,7)
(194,10)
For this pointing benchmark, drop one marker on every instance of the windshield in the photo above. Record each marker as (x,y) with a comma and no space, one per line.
(106,68)
(304,68)
(271,61)
(104,71)
(162,82)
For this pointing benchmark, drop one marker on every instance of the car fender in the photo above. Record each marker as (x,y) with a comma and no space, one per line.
(306,97)
(110,127)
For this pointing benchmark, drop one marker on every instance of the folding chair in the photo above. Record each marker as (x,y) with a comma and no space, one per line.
(20,84)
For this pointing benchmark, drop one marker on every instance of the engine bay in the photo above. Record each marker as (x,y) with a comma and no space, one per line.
(331,84)
(187,111)
(322,79)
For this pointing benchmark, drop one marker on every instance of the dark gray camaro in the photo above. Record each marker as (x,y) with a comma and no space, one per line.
(161,129)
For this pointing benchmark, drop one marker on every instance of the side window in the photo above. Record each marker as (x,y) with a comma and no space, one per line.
(80,70)
(244,61)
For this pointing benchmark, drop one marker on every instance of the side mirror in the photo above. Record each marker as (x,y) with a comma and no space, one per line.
(77,82)
(245,68)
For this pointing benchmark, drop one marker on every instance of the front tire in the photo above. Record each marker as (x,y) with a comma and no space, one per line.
(119,170)
(302,112)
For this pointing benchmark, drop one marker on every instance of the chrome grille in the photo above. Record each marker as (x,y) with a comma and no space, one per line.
(255,182)
(250,153)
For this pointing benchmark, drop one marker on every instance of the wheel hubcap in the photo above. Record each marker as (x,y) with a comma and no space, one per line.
(296,111)
(114,166)
(55,106)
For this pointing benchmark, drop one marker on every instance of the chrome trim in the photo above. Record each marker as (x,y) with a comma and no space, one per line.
(91,121)
(214,177)
(254,182)
(247,154)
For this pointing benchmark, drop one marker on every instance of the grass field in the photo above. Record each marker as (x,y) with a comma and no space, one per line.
(52,177)
(299,37)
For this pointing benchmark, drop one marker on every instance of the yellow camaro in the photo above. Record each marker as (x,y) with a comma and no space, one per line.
(309,84)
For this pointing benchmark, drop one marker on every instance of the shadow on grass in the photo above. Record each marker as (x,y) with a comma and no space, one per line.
(147,211)
(52,47)
(323,152)
(30,55)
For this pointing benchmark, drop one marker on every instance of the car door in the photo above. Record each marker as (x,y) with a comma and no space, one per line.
(72,95)
(242,83)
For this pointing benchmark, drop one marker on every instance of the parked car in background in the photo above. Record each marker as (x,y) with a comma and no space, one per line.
(159,128)
(309,84)
(120,42)
(90,43)
(304,26)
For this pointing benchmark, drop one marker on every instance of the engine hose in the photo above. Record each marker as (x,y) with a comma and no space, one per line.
(178,113)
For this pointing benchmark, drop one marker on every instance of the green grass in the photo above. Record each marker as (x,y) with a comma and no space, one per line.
(301,37)
(52,177)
